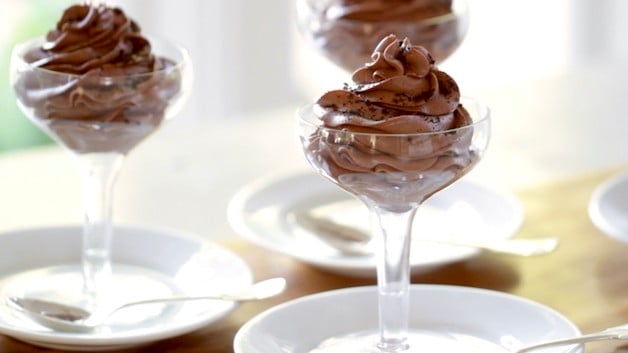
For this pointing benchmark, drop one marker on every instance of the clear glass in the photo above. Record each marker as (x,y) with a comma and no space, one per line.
(392,174)
(348,41)
(78,112)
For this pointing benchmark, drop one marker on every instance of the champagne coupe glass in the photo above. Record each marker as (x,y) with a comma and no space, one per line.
(346,31)
(392,174)
(98,119)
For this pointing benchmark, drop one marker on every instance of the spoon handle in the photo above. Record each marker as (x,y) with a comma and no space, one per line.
(261,290)
(521,247)
(610,334)
(353,241)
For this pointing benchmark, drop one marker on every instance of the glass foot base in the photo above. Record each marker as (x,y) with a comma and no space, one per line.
(418,341)
(64,284)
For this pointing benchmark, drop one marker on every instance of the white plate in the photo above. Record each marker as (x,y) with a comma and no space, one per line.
(492,320)
(190,264)
(261,212)
(608,207)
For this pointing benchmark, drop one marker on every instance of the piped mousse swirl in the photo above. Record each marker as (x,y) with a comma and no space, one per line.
(96,42)
(99,39)
(95,66)
(399,92)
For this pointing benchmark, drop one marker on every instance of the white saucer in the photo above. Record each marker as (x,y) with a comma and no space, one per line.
(188,263)
(261,212)
(608,207)
(492,320)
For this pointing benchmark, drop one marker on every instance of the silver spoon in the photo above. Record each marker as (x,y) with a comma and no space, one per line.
(613,333)
(353,241)
(67,318)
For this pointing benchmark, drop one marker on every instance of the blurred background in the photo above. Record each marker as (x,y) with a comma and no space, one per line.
(553,73)
(248,56)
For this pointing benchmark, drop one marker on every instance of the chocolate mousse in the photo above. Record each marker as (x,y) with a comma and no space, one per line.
(348,30)
(94,83)
(400,119)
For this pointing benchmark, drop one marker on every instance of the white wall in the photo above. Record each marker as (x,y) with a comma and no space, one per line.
(599,30)
(240,51)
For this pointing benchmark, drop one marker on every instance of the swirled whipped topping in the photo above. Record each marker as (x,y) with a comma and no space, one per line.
(348,30)
(399,92)
(97,39)
(95,83)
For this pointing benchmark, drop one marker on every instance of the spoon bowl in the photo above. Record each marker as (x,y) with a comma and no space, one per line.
(67,318)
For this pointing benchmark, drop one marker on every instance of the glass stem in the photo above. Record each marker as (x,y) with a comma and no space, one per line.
(392,231)
(98,175)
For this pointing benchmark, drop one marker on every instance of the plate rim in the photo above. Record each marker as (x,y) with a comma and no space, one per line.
(122,339)
(245,329)
(236,219)
(595,213)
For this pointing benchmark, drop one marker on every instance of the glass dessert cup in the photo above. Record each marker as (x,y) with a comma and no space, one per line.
(349,42)
(424,163)
(98,119)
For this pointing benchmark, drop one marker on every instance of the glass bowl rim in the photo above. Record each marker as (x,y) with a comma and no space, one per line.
(460,9)
(306,116)
(17,56)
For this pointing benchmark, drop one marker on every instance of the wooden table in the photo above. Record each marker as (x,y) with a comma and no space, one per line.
(586,279)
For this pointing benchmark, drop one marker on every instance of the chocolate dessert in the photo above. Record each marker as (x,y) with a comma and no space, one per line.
(348,30)
(400,121)
(94,82)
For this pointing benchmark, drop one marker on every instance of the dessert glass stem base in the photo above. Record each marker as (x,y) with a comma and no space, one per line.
(392,174)
(392,229)
(98,173)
